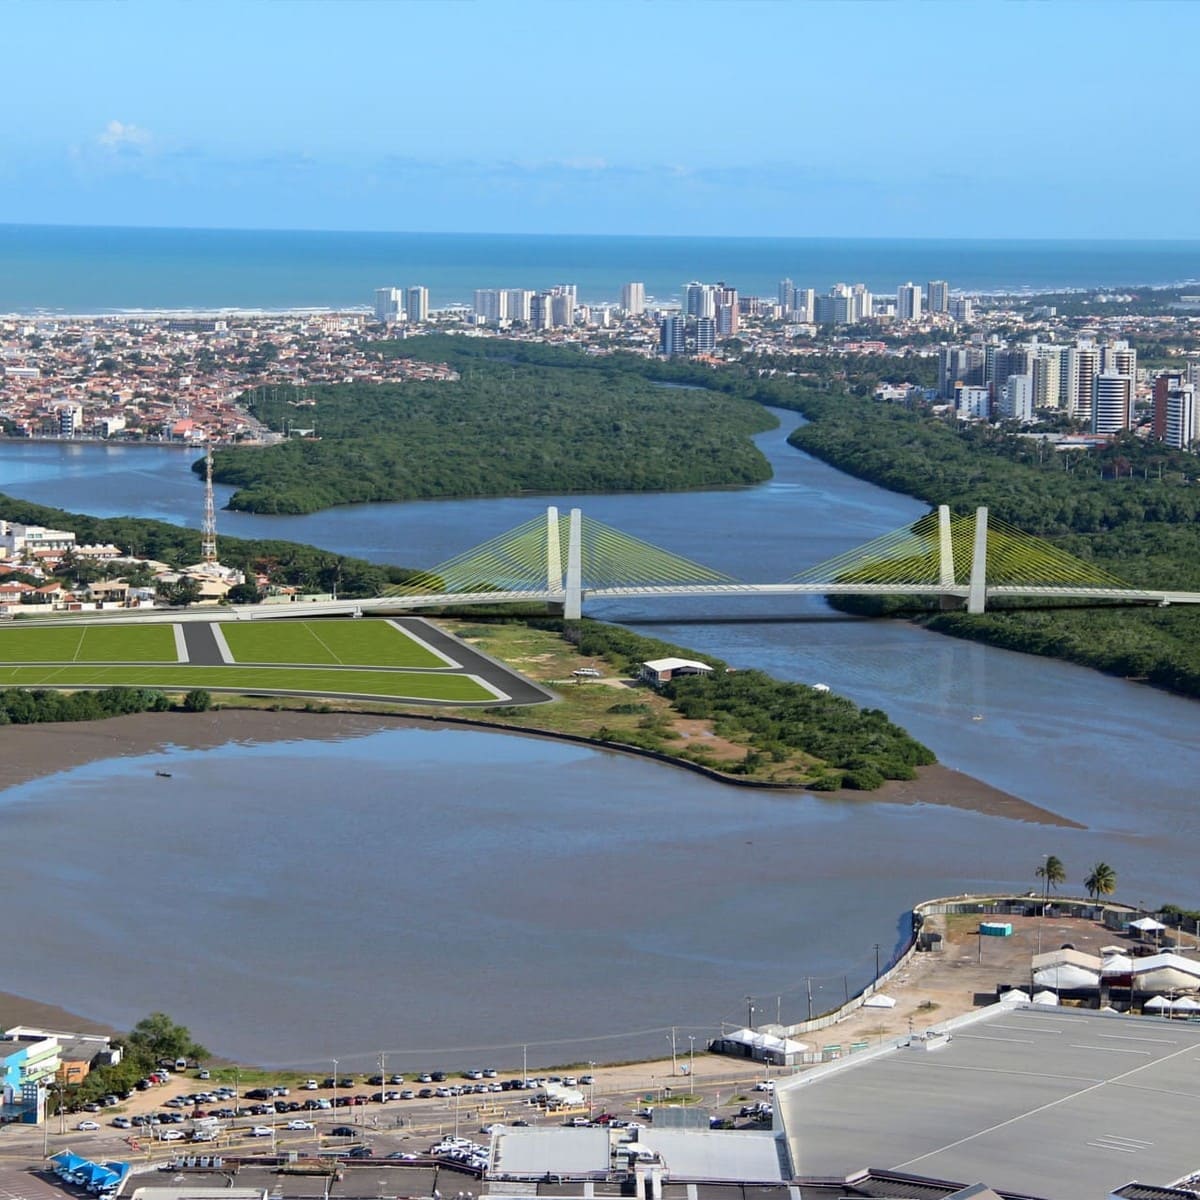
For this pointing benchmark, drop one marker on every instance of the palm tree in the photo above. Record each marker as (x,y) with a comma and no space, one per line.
(1051,873)
(1101,882)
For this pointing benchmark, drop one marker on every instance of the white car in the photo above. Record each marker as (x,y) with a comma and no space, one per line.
(259,1131)
(298,1124)
(170,1135)
(310,1085)
(87,1125)
(765,1085)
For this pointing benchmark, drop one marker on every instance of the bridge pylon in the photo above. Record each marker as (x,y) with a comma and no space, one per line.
(977,593)
(573,587)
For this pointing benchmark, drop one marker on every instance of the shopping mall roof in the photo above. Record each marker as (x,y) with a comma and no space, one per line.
(1062,1103)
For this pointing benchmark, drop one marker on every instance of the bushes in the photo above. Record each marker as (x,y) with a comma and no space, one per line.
(19,706)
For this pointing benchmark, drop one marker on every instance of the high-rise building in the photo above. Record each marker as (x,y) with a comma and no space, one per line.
(416,305)
(389,306)
(728,320)
(699,300)
(1120,358)
(540,316)
(972,403)
(1112,402)
(1044,367)
(633,299)
(908,302)
(1082,363)
(962,309)
(517,303)
(1016,399)
(491,305)
(787,294)
(562,307)
(706,335)
(937,296)
(804,305)
(671,332)
(1164,385)
(860,306)
(959,364)
(1182,417)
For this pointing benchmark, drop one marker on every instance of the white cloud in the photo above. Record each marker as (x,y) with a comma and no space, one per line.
(117,135)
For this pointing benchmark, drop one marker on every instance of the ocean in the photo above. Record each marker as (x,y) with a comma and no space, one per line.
(101,270)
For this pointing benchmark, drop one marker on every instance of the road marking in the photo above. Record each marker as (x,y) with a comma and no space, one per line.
(408,633)
(322,643)
(79,644)
(1104,1145)
(1110,1049)
(982,1037)
(181,651)
(222,645)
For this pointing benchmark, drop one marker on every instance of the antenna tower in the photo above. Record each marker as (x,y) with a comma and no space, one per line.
(208,532)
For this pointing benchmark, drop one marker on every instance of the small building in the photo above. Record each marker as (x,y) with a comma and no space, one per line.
(761,1047)
(658,671)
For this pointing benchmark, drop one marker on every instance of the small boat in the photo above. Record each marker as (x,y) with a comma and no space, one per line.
(977,717)
(163,774)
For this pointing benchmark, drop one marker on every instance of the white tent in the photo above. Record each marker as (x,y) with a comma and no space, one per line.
(1045,999)
(1066,977)
(1147,925)
(1015,996)
(1116,964)
(1157,1003)
(1186,1004)
(879,1000)
(1166,973)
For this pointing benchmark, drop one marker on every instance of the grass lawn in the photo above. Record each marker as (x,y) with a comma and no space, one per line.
(363,642)
(388,685)
(89,643)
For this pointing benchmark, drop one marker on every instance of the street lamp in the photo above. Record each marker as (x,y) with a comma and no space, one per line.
(692,1061)
(335,1083)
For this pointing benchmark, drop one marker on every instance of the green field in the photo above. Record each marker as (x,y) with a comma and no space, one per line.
(359,643)
(89,643)
(386,685)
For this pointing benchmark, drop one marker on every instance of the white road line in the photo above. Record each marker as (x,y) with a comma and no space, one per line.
(222,645)
(982,1037)
(322,643)
(408,633)
(1110,1146)
(1041,1108)
(488,687)
(1110,1049)
(1129,1037)
(181,653)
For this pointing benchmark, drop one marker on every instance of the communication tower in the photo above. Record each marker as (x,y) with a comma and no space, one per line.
(208,531)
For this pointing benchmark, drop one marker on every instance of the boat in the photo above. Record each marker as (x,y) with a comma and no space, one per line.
(163,774)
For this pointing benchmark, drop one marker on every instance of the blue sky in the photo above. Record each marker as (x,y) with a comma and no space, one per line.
(653,117)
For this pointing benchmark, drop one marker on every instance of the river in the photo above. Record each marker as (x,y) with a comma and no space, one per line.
(446,902)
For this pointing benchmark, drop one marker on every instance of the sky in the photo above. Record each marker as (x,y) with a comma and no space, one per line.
(702,117)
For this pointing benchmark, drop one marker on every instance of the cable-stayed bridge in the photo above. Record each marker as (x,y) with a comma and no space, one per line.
(565,560)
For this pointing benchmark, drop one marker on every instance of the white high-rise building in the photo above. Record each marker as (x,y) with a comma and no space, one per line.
(937,296)
(787,294)
(972,403)
(1183,417)
(491,305)
(1016,399)
(562,307)
(1046,368)
(908,302)
(1082,363)
(416,305)
(517,302)
(389,305)
(699,300)
(1120,358)
(803,305)
(633,299)
(1112,402)
(706,335)
(860,308)
(540,310)
(962,309)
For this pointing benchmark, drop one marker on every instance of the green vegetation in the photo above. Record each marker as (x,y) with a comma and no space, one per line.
(386,685)
(153,1040)
(292,563)
(743,723)
(365,643)
(1052,873)
(1101,881)
(506,426)
(20,707)
(1133,509)
(88,644)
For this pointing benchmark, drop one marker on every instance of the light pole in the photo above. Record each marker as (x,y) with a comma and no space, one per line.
(383,1078)
(335,1083)
(750,1013)
(876,962)
(692,1061)
(592,1088)
(525,1064)
(674,1060)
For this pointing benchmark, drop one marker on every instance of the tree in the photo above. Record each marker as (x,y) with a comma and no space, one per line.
(157,1036)
(1051,873)
(197,700)
(1102,881)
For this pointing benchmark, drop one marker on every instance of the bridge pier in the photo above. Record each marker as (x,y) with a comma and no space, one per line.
(977,595)
(573,599)
(946,559)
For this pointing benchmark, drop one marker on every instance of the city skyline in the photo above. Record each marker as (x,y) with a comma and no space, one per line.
(382,117)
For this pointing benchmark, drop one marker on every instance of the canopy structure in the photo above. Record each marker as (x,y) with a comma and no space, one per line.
(1045,999)
(766,1047)
(1015,996)
(1147,925)
(1066,977)
(1157,1003)
(1075,958)
(1185,1004)
(1116,964)
(66,1162)
(1166,973)
(879,1000)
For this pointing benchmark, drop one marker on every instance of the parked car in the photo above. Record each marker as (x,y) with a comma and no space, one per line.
(122,1123)
(396,1079)
(310,1085)
(170,1135)
(408,1094)
(361,1152)
(87,1125)
(299,1124)
(343,1131)
(259,1131)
